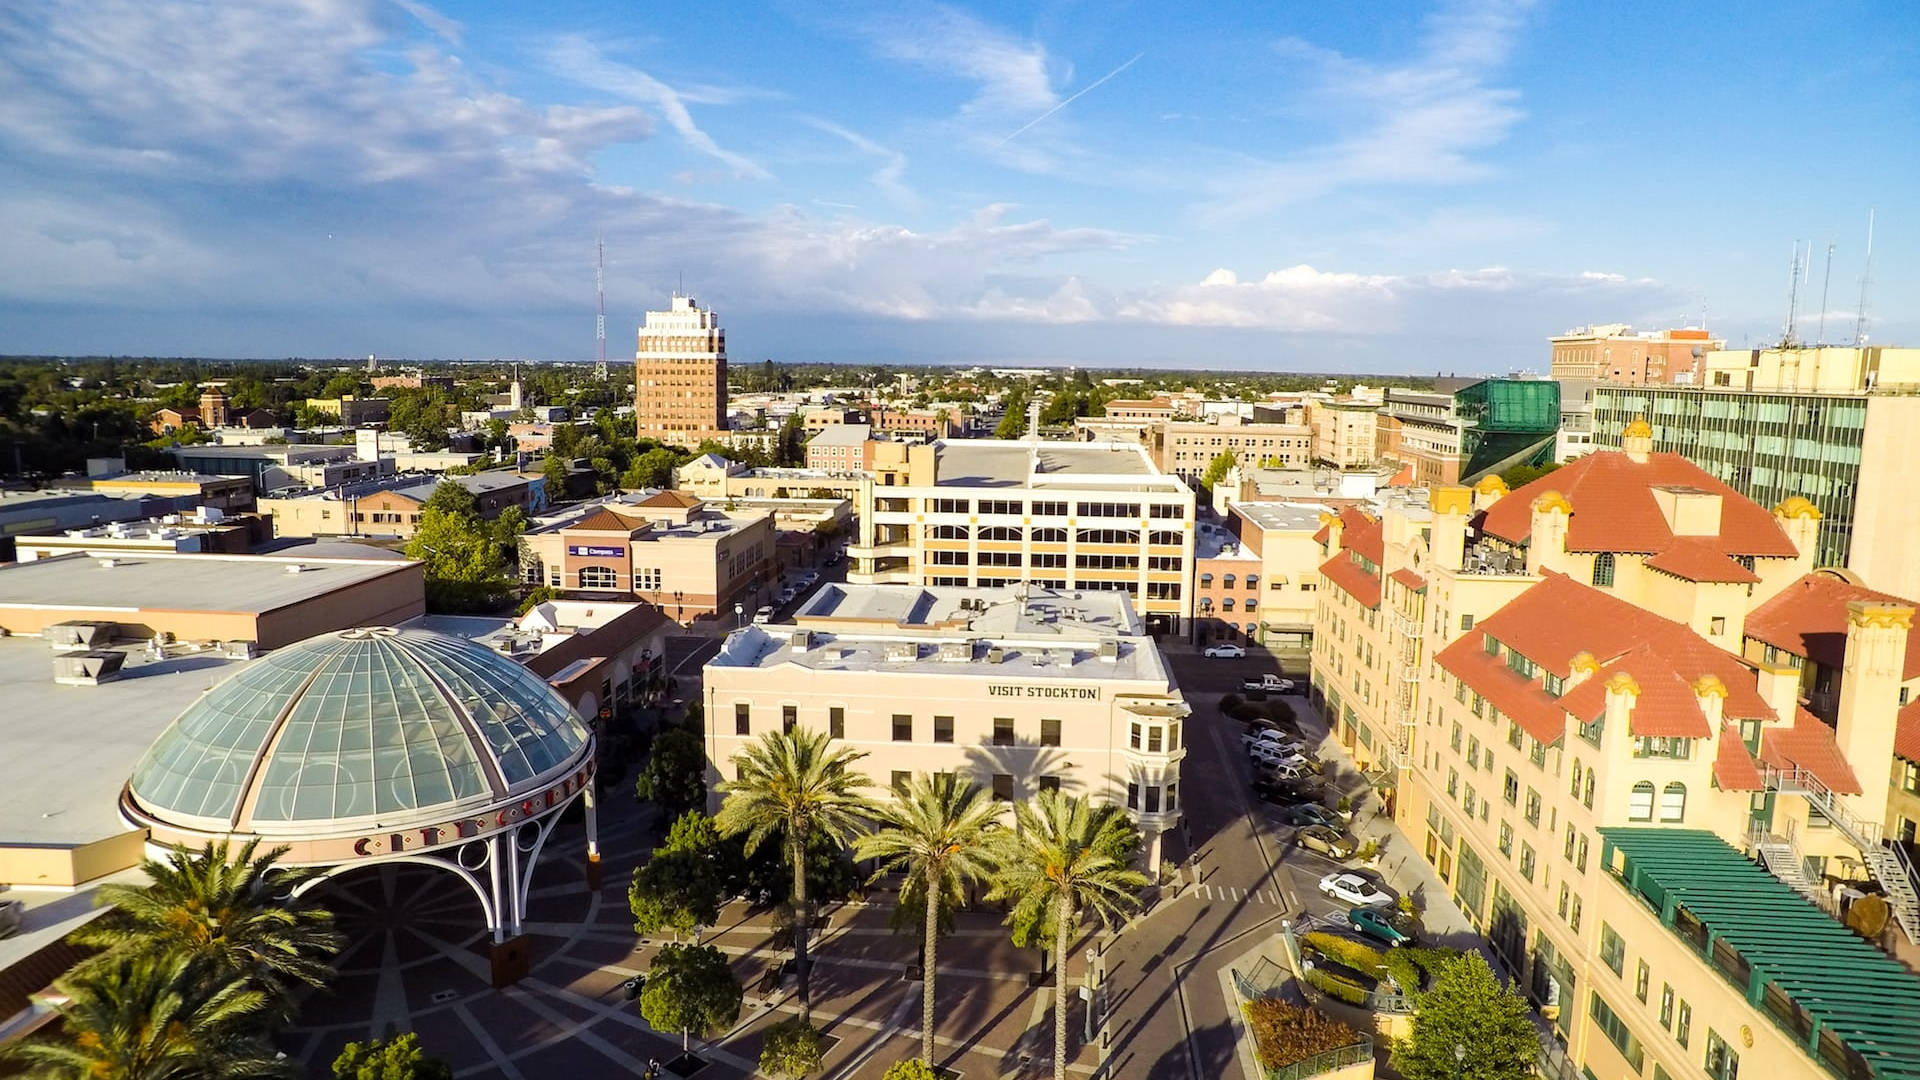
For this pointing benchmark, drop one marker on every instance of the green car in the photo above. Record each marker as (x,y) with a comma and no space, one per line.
(1312,814)
(1386,927)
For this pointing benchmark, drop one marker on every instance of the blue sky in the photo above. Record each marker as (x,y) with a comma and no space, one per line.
(1272,185)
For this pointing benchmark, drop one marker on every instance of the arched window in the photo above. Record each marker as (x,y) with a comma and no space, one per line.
(1000,532)
(1049,536)
(1206,604)
(1640,802)
(1253,581)
(1603,570)
(1164,538)
(598,577)
(1226,604)
(1673,802)
(949,532)
(1251,627)
(1206,581)
(1226,581)
(1252,603)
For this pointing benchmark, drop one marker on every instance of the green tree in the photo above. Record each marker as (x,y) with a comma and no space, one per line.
(469,561)
(690,989)
(652,469)
(231,912)
(910,1069)
(790,449)
(1217,469)
(678,890)
(798,785)
(675,775)
(935,830)
(153,1015)
(341,385)
(1063,408)
(557,469)
(398,1058)
(1517,476)
(1059,856)
(1469,1027)
(791,1049)
(1014,424)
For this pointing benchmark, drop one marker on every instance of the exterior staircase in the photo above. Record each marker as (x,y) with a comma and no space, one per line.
(1888,863)
(1781,857)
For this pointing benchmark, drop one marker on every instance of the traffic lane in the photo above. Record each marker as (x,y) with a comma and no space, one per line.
(1203,674)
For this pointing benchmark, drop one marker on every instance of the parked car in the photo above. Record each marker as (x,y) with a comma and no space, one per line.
(764,615)
(1271,737)
(1267,683)
(1269,754)
(1312,814)
(11,912)
(1224,652)
(1386,927)
(1332,843)
(1281,772)
(1287,791)
(1354,889)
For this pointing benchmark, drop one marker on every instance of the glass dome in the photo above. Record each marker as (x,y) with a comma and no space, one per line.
(359,723)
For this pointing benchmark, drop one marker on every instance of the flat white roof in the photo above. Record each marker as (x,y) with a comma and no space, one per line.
(978,611)
(1021,463)
(181,582)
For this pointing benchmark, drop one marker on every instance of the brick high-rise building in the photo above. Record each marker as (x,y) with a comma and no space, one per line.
(680,375)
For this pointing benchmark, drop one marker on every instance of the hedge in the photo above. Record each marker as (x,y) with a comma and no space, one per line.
(1279,711)
(1359,956)
(1337,988)
(1284,1033)
(1229,703)
(1416,968)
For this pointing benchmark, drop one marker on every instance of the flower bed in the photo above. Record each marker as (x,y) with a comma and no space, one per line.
(1285,1034)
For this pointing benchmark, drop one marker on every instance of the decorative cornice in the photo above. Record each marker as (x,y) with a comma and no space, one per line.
(1869,614)
(1797,506)
(1710,686)
(1584,663)
(1491,484)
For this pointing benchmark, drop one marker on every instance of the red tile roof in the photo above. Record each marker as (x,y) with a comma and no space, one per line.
(1809,618)
(1362,534)
(1408,578)
(1906,732)
(670,498)
(1536,711)
(1403,478)
(1614,507)
(605,521)
(1559,618)
(1341,570)
(1733,766)
(1809,744)
(1692,559)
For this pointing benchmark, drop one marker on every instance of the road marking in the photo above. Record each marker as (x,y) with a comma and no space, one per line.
(1208,889)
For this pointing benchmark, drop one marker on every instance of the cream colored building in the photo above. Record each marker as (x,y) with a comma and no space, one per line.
(1814,369)
(680,375)
(1650,827)
(980,513)
(1344,432)
(1016,689)
(1281,537)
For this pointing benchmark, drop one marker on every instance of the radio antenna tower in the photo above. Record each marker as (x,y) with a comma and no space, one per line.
(1866,275)
(1826,280)
(600,301)
(1787,339)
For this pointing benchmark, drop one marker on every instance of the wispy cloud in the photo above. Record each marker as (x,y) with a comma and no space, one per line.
(893,167)
(446,29)
(1082,92)
(1010,74)
(579,60)
(1415,122)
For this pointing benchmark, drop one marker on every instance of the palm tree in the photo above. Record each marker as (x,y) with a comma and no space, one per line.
(153,1016)
(232,912)
(794,784)
(936,830)
(1064,857)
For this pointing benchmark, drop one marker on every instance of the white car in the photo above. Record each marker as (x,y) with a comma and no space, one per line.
(1276,757)
(1278,740)
(764,615)
(1282,772)
(1354,889)
(1224,652)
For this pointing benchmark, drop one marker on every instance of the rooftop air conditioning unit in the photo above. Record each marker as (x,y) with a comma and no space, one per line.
(958,652)
(1109,651)
(87,668)
(801,641)
(996,654)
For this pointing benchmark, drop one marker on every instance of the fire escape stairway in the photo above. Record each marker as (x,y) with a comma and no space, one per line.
(1406,690)
(1887,863)
(1782,859)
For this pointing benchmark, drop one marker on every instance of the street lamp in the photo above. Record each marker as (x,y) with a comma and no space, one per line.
(739,616)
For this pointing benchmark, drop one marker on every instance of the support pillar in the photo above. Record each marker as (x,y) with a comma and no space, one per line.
(1153,855)
(510,956)
(595,877)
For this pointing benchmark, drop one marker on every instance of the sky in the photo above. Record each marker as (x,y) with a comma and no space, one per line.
(1266,185)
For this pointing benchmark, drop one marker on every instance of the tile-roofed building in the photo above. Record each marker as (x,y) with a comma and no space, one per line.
(668,547)
(1808,619)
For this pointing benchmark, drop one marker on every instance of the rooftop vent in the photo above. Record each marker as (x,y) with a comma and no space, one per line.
(87,668)
(79,635)
(903,650)
(801,640)
(1108,652)
(295,568)
(959,652)
(996,654)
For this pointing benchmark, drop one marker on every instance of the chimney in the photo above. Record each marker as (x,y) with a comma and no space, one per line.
(1870,694)
(1488,491)
(1335,526)
(1780,685)
(1451,508)
(1712,695)
(1800,520)
(1637,440)
(1547,539)
(1623,694)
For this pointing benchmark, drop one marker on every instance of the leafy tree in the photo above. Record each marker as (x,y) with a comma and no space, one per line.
(1517,475)
(1063,408)
(469,561)
(230,912)
(398,1058)
(557,468)
(341,386)
(690,988)
(1217,469)
(675,775)
(153,1015)
(790,449)
(936,830)
(1469,1027)
(1014,424)
(791,1049)
(910,1069)
(653,469)
(1059,856)
(796,784)
(678,890)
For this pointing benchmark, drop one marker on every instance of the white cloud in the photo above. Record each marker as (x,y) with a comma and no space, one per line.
(1010,75)
(1417,122)
(893,167)
(446,29)
(578,59)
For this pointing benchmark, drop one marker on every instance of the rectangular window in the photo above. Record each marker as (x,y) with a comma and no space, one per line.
(1003,786)
(1642,979)
(1526,860)
(1456,737)
(1473,752)
(1515,737)
(1573,913)
(837,722)
(1538,755)
(1506,839)
(1683,1024)
(1510,789)
(1616,1032)
(1453,783)
(943,729)
(1154,735)
(1153,799)
(1466,622)
(900,781)
(902,727)
(1052,783)
(1666,1007)
(1613,949)
(1533,807)
(1723,1063)
(789,718)
(741,714)
(1003,731)
(1580,856)
(1133,796)
(1133,735)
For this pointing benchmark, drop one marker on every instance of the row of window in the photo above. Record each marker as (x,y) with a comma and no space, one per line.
(1006,535)
(1226,604)
(1226,581)
(1052,508)
(903,725)
(1721,1061)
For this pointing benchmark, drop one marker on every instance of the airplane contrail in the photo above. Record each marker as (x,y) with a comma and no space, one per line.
(1076,97)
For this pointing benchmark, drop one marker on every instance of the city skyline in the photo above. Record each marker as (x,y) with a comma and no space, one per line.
(1436,187)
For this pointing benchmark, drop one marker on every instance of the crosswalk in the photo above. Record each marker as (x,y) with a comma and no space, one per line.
(1228,892)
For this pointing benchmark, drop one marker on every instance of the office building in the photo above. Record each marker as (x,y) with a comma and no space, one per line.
(842,448)
(1615,353)
(1851,453)
(1187,448)
(1588,739)
(1016,689)
(981,513)
(1462,431)
(1814,369)
(392,507)
(1345,433)
(680,375)
(672,549)
(353,411)
(1271,576)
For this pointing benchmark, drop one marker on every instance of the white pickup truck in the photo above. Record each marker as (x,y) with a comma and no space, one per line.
(1269,682)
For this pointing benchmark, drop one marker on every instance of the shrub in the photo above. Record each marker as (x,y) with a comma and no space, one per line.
(910,1069)
(1280,712)
(1230,703)
(791,1049)
(1415,969)
(1248,713)
(1407,907)
(1360,957)
(1284,1034)
(1336,987)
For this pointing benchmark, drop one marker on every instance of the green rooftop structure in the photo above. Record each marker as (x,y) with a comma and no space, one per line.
(1853,1009)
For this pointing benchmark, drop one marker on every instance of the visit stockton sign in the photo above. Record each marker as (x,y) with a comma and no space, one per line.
(1074,693)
